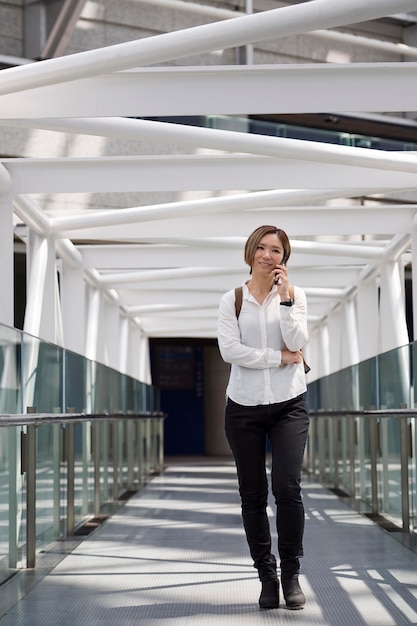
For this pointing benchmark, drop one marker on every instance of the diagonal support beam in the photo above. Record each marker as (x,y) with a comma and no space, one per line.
(283,22)
(207,206)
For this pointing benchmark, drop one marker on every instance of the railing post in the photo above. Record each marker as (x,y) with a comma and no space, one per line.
(31,496)
(95,426)
(161,444)
(140,451)
(352,438)
(373,442)
(129,453)
(70,454)
(322,450)
(335,437)
(404,454)
(115,454)
(147,447)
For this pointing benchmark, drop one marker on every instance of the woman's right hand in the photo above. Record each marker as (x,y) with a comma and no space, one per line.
(288,357)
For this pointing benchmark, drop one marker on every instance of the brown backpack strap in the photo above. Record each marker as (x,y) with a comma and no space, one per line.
(238,300)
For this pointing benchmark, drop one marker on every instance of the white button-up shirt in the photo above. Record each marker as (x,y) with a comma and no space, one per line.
(253,347)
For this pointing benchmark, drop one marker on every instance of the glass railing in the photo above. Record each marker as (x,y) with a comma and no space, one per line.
(75,438)
(292,131)
(289,131)
(363,436)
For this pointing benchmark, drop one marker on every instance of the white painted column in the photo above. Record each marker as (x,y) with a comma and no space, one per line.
(349,335)
(367,319)
(91,341)
(335,343)
(41,285)
(6,259)
(323,360)
(124,345)
(393,326)
(59,330)
(73,306)
(93,323)
(144,360)
(110,337)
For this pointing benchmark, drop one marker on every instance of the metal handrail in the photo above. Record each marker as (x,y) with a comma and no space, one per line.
(26,419)
(365,413)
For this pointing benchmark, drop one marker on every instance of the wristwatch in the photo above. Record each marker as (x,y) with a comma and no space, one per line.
(289,302)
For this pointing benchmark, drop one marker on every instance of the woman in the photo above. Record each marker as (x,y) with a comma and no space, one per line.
(266,401)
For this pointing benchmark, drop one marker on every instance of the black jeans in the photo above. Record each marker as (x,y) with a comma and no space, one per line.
(247,430)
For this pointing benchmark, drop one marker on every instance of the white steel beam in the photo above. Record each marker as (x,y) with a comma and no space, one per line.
(191,173)
(225,204)
(208,90)
(230,141)
(226,90)
(127,257)
(301,223)
(282,22)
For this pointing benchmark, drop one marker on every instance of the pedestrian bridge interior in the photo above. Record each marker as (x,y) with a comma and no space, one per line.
(138,243)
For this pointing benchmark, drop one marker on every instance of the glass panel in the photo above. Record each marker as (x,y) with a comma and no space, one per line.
(264,127)
(13,500)
(364,483)
(47,379)
(394,379)
(84,472)
(42,376)
(50,495)
(10,344)
(115,382)
(75,382)
(390,470)
(334,448)
(101,389)
(367,377)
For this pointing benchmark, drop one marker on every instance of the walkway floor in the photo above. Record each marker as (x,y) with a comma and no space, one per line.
(175,555)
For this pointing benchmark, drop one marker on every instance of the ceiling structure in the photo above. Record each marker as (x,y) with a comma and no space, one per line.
(168,264)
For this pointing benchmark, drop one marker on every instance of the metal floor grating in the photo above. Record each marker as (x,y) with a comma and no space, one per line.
(175,554)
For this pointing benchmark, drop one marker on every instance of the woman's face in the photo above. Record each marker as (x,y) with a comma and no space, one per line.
(268,254)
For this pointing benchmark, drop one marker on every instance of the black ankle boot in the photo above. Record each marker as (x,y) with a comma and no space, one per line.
(293,595)
(269,598)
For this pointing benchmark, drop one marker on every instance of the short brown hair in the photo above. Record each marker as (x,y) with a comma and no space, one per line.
(253,241)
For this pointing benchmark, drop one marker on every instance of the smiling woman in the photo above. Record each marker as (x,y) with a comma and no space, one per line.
(265,401)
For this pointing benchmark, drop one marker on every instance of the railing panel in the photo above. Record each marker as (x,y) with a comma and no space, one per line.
(10,370)
(363,435)
(74,435)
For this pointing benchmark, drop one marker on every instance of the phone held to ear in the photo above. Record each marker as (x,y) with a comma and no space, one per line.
(277,280)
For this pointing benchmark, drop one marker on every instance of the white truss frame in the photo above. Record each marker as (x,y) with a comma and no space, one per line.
(164,267)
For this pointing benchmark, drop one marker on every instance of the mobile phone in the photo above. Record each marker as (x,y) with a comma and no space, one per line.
(283,262)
